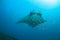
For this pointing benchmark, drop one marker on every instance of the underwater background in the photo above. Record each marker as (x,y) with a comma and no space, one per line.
(12,11)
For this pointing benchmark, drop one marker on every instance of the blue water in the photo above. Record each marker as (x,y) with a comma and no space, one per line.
(14,10)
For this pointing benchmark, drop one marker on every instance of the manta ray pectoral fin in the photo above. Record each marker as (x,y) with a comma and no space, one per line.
(24,20)
(44,21)
(20,21)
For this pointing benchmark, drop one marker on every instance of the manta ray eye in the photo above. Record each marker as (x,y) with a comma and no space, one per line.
(31,14)
(39,14)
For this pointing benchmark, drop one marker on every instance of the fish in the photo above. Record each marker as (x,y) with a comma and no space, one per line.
(33,19)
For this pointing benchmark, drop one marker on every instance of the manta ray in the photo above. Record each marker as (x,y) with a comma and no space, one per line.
(33,19)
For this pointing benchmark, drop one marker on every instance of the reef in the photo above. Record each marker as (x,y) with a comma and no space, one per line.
(4,36)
